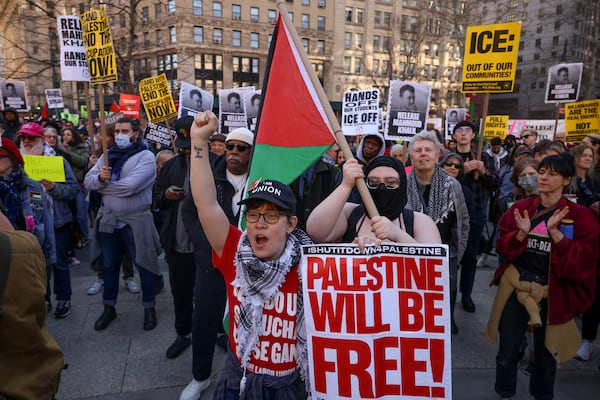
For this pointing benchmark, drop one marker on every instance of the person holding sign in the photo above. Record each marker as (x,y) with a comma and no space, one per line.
(336,220)
(261,268)
(549,248)
(62,194)
(124,221)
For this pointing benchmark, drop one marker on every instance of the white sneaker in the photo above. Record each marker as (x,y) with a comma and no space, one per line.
(585,350)
(96,287)
(194,389)
(132,285)
(482,261)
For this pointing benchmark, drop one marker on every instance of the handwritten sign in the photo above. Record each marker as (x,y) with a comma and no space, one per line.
(490,60)
(377,322)
(100,53)
(45,167)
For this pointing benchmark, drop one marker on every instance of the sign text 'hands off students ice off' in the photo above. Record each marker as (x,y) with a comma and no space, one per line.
(377,321)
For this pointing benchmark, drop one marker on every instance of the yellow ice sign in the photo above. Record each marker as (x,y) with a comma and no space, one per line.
(157,99)
(496,126)
(100,53)
(490,61)
(582,119)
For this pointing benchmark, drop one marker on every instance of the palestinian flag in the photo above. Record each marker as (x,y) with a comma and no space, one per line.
(292,128)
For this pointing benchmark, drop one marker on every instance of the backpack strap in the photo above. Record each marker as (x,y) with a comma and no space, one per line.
(5,261)
(409,221)
(353,218)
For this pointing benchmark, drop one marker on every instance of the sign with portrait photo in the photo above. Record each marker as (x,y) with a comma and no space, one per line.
(13,95)
(193,99)
(252,100)
(408,107)
(232,109)
(563,83)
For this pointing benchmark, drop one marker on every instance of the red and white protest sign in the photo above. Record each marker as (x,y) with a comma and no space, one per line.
(378,321)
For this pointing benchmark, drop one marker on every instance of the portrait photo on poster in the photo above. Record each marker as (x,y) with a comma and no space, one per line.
(563,83)
(193,99)
(13,95)
(408,106)
(252,100)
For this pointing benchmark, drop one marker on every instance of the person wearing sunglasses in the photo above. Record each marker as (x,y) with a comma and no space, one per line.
(529,138)
(432,191)
(336,219)
(260,267)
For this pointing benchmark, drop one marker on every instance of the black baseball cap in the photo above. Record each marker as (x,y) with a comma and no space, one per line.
(464,123)
(272,191)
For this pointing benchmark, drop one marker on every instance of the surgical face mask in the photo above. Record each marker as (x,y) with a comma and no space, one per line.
(528,183)
(122,141)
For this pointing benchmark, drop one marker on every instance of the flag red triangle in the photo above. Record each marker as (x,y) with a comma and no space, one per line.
(44,113)
(292,114)
(114,108)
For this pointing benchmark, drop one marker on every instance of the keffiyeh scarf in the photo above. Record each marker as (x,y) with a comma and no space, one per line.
(440,195)
(258,281)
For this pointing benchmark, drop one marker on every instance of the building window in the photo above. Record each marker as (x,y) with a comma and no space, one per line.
(291,15)
(385,67)
(236,38)
(538,43)
(158,10)
(559,9)
(426,71)
(254,40)
(386,43)
(145,14)
(122,20)
(347,65)
(541,85)
(173,34)
(254,14)
(197,7)
(245,71)
(171,7)
(159,38)
(217,35)
(435,50)
(306,2)
(536,56)
(557,25)
(146,39)
(319,69)
(217,9)
(167,64)
(540,29)
(348,40)
(320,23)
(359,40)
(450,73)
(555,40)
(272,15)
(198,34)
(236,11)
(305,43)
(349,14)
(410,24)
(208,71)
(376,43)
(410,3)
(435,72)
(376,71)
(360,16)
(378,18)
(358,65)
(434,26)
(387,19)
(305,23)
(320,47)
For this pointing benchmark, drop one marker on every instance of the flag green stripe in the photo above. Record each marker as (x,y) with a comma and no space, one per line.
(283,164)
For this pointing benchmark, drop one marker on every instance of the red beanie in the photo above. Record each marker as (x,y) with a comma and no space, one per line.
(8,147)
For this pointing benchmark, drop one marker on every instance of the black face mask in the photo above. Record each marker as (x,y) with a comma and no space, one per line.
(389,202)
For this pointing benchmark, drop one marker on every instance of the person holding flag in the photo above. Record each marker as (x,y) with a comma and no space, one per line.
(260,266)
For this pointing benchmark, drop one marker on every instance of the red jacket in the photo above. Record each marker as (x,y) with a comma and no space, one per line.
(573,263)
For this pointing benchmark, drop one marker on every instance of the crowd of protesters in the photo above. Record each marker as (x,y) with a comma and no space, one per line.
(514,196)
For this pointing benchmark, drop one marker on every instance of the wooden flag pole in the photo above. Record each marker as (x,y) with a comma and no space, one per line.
(484,111)
(339,135)
(102,125)
(556,115)
(171,137)
(86,89)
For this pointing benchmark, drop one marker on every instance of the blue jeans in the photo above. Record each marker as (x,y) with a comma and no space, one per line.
(82,215)
(512,328)
(113,246)
(468,264)
(60,270)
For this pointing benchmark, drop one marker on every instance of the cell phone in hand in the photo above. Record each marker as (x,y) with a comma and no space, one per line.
(178,189)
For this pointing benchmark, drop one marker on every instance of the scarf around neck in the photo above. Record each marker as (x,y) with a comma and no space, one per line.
(258,282)
(10,195)
(117,157)
(440,195)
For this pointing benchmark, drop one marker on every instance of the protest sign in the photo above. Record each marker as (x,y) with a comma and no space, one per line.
(582,119)
(14,95)
(232,110)
(408,107)
(378,321)
(193,99)
(159,133)
(453,117)
(490,60)
(157,99)
(360,112)
(563,83)
(100,53)
(54,98)
(252,101)
(496,126)
(45,167)
(129,105)
(113,118)
(73,60)
(544,127)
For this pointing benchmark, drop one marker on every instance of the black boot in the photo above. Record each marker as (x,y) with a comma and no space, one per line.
(149,318)
(106,318)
